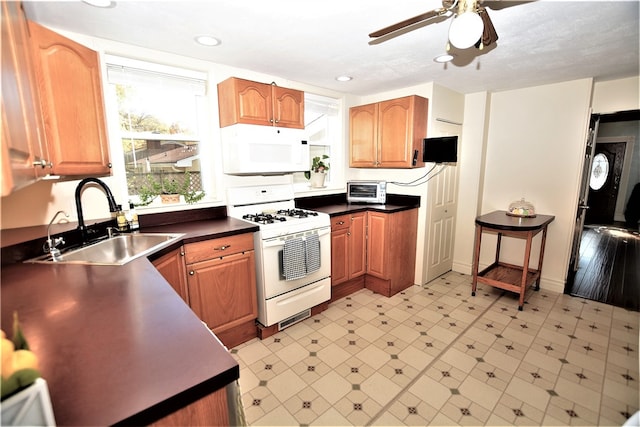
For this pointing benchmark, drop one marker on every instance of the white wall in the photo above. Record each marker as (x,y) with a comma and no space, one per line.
(472,150)
(534,145)
(616,95)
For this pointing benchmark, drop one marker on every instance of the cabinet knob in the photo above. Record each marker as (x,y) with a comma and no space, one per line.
(43,164)
(182,253)
(222,248)
(191,273)
(348,233)
(340,222)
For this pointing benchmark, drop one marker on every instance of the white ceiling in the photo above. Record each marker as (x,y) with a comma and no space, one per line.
(313,41)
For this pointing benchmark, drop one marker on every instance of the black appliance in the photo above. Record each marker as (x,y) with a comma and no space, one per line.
(443,149)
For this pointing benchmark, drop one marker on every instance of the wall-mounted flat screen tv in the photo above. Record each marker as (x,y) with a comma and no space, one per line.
(443,149)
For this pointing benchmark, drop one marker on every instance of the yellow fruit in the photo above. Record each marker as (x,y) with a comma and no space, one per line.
(7,357)
(24,359)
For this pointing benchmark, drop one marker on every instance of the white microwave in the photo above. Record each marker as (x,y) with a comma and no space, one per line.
(263,150)
(367,192)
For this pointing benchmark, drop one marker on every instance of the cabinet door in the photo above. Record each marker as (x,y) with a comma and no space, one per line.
(357,245)
(363,136)
(173,269)
(339,256)
(222,291)
(70,89)
(244,101)
(394,136)
(22,143)
(377,242)
(288,107)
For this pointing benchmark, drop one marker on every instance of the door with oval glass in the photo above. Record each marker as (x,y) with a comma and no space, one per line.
(604,182)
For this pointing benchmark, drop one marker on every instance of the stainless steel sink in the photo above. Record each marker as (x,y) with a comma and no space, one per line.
(117,250)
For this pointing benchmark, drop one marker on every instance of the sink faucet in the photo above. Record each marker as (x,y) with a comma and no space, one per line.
(51,246)
(112,203)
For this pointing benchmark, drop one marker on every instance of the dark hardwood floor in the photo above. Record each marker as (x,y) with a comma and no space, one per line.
(609,266)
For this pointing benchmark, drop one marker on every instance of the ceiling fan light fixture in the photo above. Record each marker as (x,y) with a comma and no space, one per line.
(465,30)
(100,3)
(208,40)
(444,58)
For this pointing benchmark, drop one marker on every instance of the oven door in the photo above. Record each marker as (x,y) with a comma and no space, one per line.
(274,276)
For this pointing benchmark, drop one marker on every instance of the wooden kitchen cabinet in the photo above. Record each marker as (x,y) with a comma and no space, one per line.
(391,251)
(348,254)
(388,134)
(348,235)
(24,153)
(173,269)
(70,90)
(248,102)
(221,282)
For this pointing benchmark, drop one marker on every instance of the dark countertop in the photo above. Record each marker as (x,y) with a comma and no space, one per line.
(336,204)
(346,208)
(499,220)
(116,343)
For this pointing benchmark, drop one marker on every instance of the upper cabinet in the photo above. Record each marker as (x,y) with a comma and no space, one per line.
(24,154)
(68,79)
(52,106)
(248,102)
(388,134)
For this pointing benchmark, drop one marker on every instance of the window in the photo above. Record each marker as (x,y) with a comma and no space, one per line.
(161,113)
(322,124)
(599,171)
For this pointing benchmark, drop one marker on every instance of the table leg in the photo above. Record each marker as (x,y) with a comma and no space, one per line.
(498,247)
(476,259)
(544,240)
(525,270)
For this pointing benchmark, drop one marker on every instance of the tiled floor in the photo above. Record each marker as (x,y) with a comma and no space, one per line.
(435,355)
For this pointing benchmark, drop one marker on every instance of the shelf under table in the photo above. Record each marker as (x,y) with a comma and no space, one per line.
(507,277)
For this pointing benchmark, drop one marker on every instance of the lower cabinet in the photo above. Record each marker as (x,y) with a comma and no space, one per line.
(172,268)
(221,282)
(372,249)
(391,251)
(348,236)
(348,256)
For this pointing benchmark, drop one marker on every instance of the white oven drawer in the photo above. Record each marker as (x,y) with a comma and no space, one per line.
(274,310)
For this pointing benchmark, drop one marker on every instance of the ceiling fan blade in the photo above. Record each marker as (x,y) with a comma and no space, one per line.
(489,34)
(407,22)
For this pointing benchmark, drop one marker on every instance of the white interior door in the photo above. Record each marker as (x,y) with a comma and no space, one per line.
(442,201)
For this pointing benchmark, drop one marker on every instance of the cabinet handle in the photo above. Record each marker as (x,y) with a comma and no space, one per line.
(43,164)
(191,273)
(222,248)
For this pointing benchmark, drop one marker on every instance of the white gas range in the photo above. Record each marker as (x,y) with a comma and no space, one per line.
(293,252)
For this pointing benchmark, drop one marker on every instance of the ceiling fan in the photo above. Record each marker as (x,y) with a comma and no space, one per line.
(471,25)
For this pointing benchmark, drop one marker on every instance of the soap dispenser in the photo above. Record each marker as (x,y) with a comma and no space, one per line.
(134,225)
(121,219)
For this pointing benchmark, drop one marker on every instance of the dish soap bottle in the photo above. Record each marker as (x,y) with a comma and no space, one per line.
(134,225)
(121,219)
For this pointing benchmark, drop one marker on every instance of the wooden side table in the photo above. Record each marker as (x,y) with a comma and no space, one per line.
(501,275)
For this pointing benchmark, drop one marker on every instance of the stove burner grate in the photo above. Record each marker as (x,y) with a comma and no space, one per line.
(297,213)
(264,218)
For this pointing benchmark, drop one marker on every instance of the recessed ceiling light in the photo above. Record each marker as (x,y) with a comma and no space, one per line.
(344,78)
(446,57)
(100,3)
(208,40)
